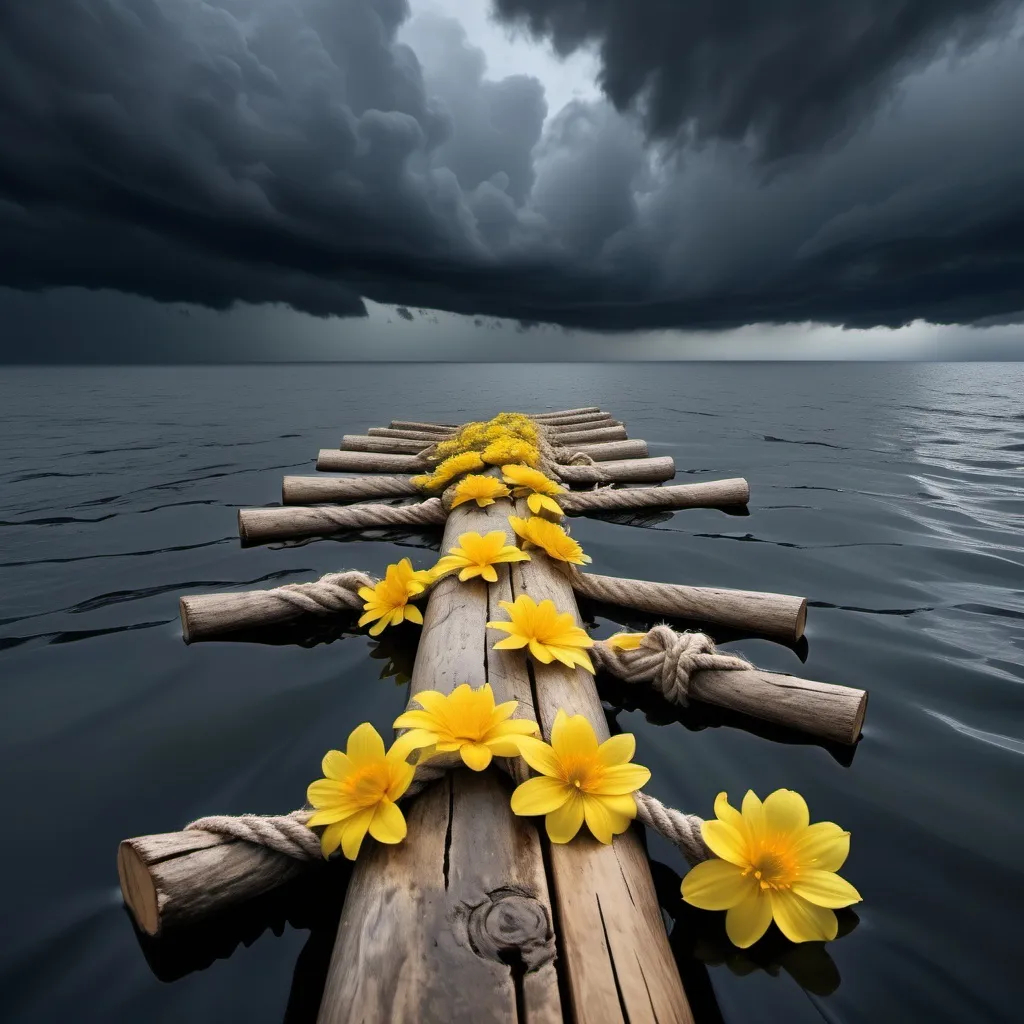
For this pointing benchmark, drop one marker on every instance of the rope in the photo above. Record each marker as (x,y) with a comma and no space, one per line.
(683,830)
(335,592)
(283,833)
(667,660)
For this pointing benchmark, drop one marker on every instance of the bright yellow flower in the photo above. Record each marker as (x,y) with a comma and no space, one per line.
(388,601)
(508,449)
(477,556)
(448,470)
(481,489)
(359,793)
(550,537)
(534,484)
(548,633)
(774,864)
(466,720)
(625,641)
(580,780)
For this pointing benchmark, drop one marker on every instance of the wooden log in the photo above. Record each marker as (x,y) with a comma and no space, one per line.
(825,710)
(559,414)
(779,616)
(313,490)
(434,428)
(455,923)
(332,460)
(709,494)
(633,471)
(427,436)
(176,878)
(577,422)
(386,445)
(615,952)
(591,436)
(264,525)
(608,452)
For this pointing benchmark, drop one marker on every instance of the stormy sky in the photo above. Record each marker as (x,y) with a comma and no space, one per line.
(299,179)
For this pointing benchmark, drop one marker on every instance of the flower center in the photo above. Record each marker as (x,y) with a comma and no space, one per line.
(771,870)
(581,773)
(368,785)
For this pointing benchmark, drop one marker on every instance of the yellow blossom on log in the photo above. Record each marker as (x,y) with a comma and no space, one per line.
(550,537)
(466,720)
(774,864)
(546,632)
(481,489)
(580,780)
(387,603)
(535,486)
(359,793)
(510,449)
(477,555)
(448,470)
(625,641)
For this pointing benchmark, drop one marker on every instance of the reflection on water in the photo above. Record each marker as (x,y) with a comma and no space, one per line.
(891,496)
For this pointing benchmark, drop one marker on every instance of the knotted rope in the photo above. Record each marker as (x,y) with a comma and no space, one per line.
(335,592)
(667,660)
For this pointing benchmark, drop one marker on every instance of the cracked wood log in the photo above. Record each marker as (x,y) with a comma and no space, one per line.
(454,923)
(616,955)
(314,490)
(588,410)
(624,471)
(587,435)
(708,494)
(779,616)
(332,460)
(608,452)
(264,525)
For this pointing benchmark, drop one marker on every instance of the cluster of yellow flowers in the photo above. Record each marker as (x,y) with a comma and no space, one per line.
(770,863)
(478,436)
(448,470)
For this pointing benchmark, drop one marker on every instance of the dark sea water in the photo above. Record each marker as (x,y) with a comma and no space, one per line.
(891,496)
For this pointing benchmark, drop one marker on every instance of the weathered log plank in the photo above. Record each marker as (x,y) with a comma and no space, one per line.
(607,452)
(619,964)
(632,471)
(708,494)
(332,460)
(313,490)
(589,435)
(431,926)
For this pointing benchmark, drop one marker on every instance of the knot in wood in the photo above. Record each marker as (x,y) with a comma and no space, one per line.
(511,925)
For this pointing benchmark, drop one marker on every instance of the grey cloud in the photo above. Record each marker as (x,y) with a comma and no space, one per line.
(292,152)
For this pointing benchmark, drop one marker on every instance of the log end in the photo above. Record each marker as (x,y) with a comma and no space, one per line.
(185,612)
(138,889)
(243,529)
(801,619)
(857,727)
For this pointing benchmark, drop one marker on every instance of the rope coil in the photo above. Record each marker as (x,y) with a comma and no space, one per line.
(666,659)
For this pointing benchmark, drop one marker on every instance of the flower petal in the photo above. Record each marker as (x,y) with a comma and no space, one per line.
(364,745)
(825,888)
(353,831)
(822,845)
(414,739)
(801,921)
(753,814)
(785,812)
(413,614)
(617,750)
(716,885)
(388,823)
(540,796)
(336,765)
(475,755)
(565,822)
(331,838)
(746,922)
(540,756)
(624,778)
(599,820)
(725,811)
(510,643)
(725,842)
(573,736)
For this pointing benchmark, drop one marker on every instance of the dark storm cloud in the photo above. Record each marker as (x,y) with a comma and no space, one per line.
(792,75)
(292,151)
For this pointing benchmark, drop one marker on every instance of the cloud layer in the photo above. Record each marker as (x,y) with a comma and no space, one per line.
(861,165)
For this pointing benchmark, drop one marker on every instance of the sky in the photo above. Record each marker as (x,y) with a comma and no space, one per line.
(227,180)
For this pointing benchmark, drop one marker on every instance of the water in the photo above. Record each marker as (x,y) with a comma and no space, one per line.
(891,496)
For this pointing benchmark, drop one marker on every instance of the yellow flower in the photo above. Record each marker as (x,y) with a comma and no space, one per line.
(508,449)
(580,780)
(625,641)
(359,793)
(774,864)
(468,721)
(534,483)
(387,602)
(550,537)
(481,489)
(548,633)
(448,470)
(477,556)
